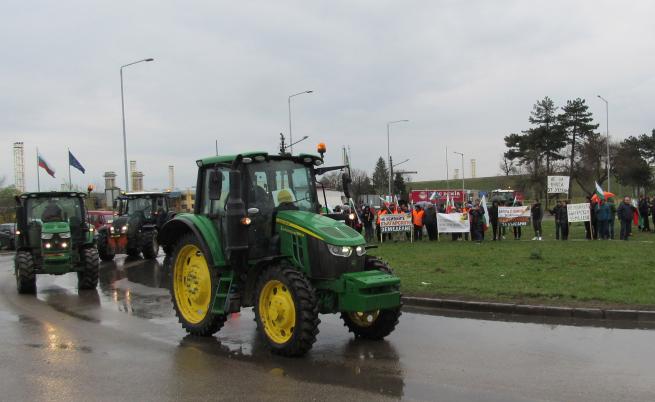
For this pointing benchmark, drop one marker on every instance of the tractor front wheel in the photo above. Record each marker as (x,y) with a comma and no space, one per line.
(286,311)
(25,275)
(149,245)
(375,324)
(193,287)
(103,248)
(88,277)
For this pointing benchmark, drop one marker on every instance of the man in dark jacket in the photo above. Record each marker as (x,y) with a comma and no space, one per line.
(644,208)
(368,217)
(493,219)
(477,221)
(555,212)
(589,224)
(537,216)
(625,213)
(603,214)
(563,217)
(430,221)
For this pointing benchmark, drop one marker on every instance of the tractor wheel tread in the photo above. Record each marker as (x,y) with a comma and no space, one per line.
(88,277)
(25,274)
(212,323)
(102,248)
(306,327)
(149,245)
(387,319)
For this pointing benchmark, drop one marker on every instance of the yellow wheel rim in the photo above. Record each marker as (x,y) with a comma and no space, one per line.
(365,318)
(192,284)
(277,311)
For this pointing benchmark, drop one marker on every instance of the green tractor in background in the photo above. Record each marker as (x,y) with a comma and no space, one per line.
(53,236)
(256,238)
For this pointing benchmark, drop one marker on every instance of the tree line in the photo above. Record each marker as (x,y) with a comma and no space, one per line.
(564,141)
(362,183)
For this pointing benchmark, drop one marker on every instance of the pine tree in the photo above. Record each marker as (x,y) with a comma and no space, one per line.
(576,123)
(399,184)
(551,137)
(381,177)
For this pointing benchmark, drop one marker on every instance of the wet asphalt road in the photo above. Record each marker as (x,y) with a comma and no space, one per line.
(123,343)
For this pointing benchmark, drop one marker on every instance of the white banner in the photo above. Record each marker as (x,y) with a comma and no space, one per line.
(558,184)
(396,223)
(514,216)
(453,223)
(578,212)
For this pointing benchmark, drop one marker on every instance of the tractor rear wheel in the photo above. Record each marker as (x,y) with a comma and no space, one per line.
(193,287)
(88,277)
(286,310)
(149,245)
(25,275)
(375,324)
(103,249)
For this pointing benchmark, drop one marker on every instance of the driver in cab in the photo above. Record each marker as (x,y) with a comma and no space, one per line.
(52,212)
(285,201)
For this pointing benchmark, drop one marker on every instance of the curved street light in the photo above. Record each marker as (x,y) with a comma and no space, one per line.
(289,103)
(389,150)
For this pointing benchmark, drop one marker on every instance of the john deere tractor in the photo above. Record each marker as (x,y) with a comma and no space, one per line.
(53,236)
(135,229)
(256,238)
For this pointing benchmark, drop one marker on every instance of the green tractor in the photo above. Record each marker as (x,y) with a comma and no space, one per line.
(256,239)
(53,236)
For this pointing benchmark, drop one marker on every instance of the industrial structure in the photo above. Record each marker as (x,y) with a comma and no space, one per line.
(19,167)
(171,177)
(473,169)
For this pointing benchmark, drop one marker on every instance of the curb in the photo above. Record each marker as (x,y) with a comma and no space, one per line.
(532,310)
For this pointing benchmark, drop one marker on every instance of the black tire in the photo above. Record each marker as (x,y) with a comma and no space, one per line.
(303,295)
(211,323)
(380,323)
(149,244)
(25,275)
(88,277)
(12,244)
(103,249)
(133,252)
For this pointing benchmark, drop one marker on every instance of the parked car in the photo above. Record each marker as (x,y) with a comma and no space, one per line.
(8,236)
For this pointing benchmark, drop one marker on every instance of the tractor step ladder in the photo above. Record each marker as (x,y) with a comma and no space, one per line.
(222,298)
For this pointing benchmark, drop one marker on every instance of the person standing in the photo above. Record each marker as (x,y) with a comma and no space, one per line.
(417,219)
(652,210)
(368,217)
(476,214)
(517,229)
(493,218)
(537,216)
(610,223)
(644,209)
(587,224)
(603,217)
(563,218)
(555,212)
(430,222)
(625,213)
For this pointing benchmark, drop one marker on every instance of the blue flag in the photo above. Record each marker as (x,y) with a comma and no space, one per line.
(75,163)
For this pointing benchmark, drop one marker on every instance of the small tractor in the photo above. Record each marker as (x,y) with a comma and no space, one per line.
(53,236)
(256,239)
(135,229)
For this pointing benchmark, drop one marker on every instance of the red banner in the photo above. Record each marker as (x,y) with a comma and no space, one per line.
(440,196)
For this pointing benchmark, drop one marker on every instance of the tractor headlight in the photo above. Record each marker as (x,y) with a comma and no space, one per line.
(46,236)
(360,250)
(340,251)
(111,229)
(124,229)
(65,235)
(351,217)
(47,245)
(64,244)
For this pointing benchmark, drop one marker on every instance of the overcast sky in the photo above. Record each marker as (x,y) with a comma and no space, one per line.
(465,73)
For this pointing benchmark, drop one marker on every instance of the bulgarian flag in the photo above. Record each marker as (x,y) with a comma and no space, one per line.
(44,164)
(599,192)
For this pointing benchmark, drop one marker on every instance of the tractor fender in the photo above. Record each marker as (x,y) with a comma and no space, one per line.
(178,227)
(254,272)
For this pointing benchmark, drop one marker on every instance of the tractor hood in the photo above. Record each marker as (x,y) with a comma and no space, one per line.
(321,227)
(55,227)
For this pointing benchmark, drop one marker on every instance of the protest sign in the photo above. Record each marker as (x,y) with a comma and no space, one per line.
(578,212)
(390,223)
(453,223)
(514,216)
(558,184)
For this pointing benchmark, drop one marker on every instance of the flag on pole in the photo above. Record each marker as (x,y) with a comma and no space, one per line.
(599,192)
(72,161)
(433,196)
(486,212)
(45,165)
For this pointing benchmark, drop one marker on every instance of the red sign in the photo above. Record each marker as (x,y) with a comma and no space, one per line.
(439,196)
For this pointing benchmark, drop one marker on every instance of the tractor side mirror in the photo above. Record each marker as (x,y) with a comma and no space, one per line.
(345,182)
(215,184)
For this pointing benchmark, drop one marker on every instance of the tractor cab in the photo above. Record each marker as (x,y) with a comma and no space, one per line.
(53,236)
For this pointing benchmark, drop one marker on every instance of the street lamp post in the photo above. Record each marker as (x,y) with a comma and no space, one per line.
(127,180)
(389,149)
(607,127)
(289,102)
(463,187)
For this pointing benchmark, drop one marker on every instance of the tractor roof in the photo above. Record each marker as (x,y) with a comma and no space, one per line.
(230,158)
(49,194)
(138,194)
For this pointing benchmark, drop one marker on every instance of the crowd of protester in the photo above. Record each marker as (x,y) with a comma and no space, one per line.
(603,213)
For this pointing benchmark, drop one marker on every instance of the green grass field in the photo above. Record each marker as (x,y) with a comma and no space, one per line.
(566,273)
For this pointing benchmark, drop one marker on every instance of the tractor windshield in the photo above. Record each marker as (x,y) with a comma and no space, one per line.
(282,184)
(54,209)
(136,206)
